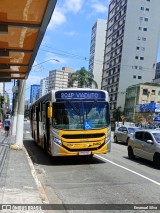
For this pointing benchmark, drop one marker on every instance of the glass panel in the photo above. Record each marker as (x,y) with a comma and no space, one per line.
(73,115)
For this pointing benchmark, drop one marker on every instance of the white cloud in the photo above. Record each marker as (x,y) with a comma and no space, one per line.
(99,8)
(73,5)
(58,18)
(71,33)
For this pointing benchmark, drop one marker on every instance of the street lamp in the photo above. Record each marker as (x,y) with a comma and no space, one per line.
(52,59)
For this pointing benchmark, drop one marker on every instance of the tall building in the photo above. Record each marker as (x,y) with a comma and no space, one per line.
(1,88)
(157,75)
(34,92)
(44,86)
(131,46)
(58,79)
(97,46)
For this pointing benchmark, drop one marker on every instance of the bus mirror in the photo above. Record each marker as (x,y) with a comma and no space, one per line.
(49,112)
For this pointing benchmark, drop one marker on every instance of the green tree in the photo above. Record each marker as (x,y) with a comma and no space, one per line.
(1,106)
(117,114)
(85,78)
(26,113)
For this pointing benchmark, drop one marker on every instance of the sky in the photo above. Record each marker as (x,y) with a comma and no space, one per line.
(67,38)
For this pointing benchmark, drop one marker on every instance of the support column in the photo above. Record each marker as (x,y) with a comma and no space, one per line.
(20,115)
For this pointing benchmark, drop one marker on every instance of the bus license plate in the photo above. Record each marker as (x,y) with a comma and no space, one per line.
(85,153)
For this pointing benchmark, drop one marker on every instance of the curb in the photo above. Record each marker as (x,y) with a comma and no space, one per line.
(41,190)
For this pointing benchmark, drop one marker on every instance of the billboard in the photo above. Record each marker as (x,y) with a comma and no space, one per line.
(151,107)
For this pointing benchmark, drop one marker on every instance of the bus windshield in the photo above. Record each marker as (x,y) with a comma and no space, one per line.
(80,115)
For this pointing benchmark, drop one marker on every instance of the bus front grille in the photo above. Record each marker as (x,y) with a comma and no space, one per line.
(83,136)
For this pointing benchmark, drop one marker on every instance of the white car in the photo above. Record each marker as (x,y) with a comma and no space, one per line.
(123,133)
(145,144)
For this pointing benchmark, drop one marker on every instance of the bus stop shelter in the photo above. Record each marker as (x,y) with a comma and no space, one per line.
(22,27)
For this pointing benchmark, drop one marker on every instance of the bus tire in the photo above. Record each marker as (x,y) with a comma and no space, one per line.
(45,144)
(34,137)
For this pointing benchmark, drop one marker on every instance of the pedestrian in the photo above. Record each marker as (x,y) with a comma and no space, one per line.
(7,124)
(1,126)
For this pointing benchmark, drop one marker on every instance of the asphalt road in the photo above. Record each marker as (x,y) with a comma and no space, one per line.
(105,179)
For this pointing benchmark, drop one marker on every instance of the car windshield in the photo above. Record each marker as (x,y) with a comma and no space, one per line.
(80,115)
(157,137)
(132,130)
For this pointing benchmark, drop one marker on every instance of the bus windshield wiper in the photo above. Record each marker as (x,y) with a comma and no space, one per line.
(74,107)
(92,105)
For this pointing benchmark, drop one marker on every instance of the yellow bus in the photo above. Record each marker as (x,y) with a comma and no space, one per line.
(69,122)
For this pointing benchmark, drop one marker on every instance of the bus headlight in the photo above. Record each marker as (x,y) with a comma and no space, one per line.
(58,141)
(108,139)
(108,142)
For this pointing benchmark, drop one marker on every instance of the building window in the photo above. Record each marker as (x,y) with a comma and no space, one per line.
(141,58)
(139,77)
(147,9)
(136,57)
(145,29)
(137,48)
(146,19)
(153,92)
(142,8)
(134,76)
(143,39)
(145,91)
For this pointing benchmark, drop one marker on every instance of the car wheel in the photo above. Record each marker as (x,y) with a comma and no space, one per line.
(130,153)
(156,161)
(115,139)
(127,140)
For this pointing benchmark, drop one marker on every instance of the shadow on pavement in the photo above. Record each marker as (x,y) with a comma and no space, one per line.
(142,161)
(39,156)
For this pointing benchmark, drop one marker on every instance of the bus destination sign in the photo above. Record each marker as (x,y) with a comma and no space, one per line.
(80,95)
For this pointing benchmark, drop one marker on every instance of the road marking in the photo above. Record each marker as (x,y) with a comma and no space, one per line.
(153,181)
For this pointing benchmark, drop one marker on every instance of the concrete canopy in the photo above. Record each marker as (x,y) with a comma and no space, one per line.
(22,27)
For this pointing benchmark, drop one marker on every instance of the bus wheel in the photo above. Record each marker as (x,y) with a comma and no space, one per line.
(34,137)
(44,143)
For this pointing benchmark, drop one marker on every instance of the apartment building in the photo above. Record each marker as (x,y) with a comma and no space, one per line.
(157,75)
(144,93)
(58,79)
(131,46)
(97,46)
(34,92)
(44,86)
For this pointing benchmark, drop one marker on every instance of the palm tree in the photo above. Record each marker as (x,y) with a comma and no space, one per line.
(84,78)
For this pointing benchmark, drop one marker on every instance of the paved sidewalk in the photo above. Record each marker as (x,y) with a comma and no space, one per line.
(18,182)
